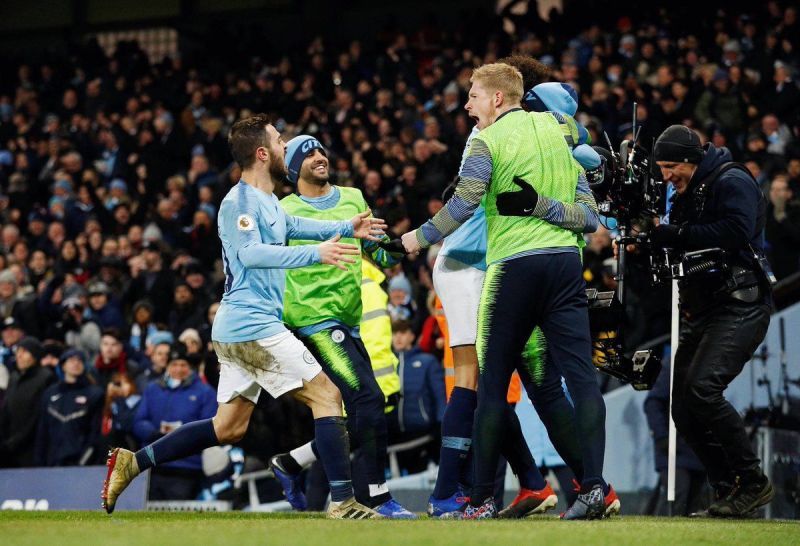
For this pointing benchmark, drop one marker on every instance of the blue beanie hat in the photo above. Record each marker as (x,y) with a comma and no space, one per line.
(586,156)
(69,353)
(552,97)
(400,282)
(296,151)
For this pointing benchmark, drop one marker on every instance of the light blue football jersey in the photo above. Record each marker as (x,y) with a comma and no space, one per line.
(254,231)
(467,244)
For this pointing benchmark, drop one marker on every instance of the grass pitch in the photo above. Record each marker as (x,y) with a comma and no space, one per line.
(196,529)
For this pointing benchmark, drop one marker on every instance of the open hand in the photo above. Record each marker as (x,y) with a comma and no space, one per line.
(332,252)
(365,227)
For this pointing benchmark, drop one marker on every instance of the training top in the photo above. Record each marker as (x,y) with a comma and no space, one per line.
(254,231)
(530,146)
(321,296)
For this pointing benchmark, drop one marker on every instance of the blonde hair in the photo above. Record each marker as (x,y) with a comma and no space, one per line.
(500,77)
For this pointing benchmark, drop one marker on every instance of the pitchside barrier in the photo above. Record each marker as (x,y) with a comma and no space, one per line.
(64,488)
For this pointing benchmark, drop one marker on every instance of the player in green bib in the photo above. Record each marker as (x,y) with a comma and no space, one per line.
(534,275)
(323,306)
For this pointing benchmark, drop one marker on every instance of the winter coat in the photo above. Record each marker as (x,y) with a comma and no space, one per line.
(422,400)
(20,414)
(70,424)
(192,400)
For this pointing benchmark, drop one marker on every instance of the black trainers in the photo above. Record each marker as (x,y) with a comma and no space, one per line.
(721,491)
(748,495)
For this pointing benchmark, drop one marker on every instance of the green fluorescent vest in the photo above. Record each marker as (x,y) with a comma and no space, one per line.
(323,292)
(529,145)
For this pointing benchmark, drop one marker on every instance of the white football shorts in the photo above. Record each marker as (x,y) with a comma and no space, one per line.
(459,286)
(278,364)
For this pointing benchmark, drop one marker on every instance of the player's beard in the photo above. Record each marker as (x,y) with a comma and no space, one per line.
(277,168)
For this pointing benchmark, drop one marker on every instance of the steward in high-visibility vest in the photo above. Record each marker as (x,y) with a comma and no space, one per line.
(376,332)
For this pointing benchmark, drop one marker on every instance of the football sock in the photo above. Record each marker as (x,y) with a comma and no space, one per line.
(188,439)
(456,440)
(299,458)
(333,446)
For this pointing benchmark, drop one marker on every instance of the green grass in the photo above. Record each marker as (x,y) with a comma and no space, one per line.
(238,529)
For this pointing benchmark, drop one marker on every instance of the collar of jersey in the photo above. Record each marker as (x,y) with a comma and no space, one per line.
(325,202)
(518,109)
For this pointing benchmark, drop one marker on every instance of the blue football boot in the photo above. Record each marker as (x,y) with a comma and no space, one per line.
(394,510)
(453,503)
(290,484)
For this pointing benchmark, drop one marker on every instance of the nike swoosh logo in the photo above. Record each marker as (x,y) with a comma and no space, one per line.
(527,211)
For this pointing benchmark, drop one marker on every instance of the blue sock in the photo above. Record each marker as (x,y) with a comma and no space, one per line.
(333,445)
(188,439)
(456,440)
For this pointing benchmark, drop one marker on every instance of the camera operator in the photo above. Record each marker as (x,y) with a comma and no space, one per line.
(724,317)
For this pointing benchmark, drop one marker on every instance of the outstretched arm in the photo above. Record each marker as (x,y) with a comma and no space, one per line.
(474,178)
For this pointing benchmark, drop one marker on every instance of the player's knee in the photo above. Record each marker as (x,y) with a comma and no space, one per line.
(229,431)
(325,393)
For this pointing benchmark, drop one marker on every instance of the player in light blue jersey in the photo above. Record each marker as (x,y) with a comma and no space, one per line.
(254,348)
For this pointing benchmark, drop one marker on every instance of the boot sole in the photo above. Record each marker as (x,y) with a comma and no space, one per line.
(110,464)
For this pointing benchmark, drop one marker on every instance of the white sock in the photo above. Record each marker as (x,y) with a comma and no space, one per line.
(376,489)
(303,455)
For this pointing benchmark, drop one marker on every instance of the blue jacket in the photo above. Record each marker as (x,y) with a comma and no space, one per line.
(70,423)
(656,408)
(422,390)
(192,400)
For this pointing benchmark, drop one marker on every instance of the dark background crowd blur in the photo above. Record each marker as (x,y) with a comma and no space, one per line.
(113,164)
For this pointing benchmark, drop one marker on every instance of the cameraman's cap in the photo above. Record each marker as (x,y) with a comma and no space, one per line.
(679,144)
(296,151)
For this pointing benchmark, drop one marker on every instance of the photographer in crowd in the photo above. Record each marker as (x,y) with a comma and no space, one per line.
(725,309)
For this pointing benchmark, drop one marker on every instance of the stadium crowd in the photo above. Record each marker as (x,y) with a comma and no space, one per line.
(112,169)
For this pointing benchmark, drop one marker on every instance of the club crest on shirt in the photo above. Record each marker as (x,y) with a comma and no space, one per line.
(246,223)
(337,336)
(308,357)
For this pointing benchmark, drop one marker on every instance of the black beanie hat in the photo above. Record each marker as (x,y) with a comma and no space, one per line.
(678,144)
(33,346)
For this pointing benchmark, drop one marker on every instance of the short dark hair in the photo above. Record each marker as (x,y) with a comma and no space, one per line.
(401,326)
(246,136)
(533,72)
(113,332)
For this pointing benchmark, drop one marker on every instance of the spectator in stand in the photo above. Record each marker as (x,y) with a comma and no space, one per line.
(422,394)
(103,307)
(21,411)
(783,228)
(12,333)
(186,311)
(151,280)
(112,358)
(401,304)
(178,397)
(72,409)
(119,411)
(142,326)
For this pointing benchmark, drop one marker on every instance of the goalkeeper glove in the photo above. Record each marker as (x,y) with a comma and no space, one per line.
(518,203)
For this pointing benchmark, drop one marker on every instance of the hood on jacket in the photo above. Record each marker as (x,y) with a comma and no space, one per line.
(713,157)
